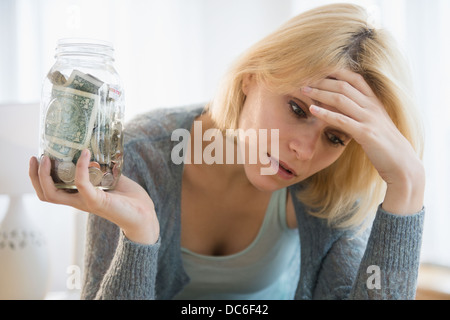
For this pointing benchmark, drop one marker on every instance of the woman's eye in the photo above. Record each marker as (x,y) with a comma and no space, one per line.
(335,140)
(294,107)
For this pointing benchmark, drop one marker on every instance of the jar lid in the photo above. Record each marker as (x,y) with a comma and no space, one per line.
(84,46)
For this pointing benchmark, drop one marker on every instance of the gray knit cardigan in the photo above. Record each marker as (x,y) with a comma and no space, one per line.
(381,263)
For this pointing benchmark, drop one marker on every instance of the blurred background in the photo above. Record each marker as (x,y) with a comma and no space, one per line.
(174,52)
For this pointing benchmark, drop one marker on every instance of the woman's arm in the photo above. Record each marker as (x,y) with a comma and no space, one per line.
(102,237)
(115,267)
(389,266)
(386,268)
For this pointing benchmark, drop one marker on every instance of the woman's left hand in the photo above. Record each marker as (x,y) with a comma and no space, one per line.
(348,103)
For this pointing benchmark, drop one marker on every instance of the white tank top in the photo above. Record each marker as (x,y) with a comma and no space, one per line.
(267,269)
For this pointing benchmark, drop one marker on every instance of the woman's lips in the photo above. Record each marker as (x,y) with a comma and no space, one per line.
(284,170)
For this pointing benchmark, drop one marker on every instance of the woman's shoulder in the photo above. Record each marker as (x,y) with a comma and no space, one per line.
(148,145)
(159,124)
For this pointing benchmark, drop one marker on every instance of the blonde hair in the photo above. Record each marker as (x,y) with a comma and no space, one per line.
(309,47)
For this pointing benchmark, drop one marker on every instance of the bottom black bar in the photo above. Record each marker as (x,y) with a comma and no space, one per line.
(217,309)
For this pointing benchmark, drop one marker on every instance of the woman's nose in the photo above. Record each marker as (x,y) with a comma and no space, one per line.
(304,146)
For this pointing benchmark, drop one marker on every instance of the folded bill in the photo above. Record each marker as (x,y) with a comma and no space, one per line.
(84,82)
(70,117)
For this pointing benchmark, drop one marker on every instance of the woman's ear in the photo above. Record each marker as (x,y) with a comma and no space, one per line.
(247,82)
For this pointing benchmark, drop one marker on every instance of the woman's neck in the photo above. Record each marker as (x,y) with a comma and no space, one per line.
(224,173)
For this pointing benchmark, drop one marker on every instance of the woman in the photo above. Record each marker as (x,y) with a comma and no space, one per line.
(346,156)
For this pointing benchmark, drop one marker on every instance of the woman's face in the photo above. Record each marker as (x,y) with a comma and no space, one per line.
(305,144)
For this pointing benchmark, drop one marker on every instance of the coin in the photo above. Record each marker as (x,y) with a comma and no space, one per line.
(98,146)
(94,164)
(115,138)
(95,176)
(66,171)
(107,180)
(57,78)
(117,168)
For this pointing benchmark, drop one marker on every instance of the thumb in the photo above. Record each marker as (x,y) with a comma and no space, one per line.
(91,195)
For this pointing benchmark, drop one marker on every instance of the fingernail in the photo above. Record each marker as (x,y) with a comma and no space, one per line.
(85,153)
(306,89)
(314,109)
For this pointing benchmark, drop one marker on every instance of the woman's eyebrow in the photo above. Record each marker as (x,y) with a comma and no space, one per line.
(343,134)
(300,101)
(307,105)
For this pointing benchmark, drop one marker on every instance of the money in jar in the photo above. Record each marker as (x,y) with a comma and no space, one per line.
(82,107)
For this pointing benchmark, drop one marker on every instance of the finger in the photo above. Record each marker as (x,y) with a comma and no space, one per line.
(355,80)
(344,88)
(90,194)
(33,173)
(337,120)
(333,100)
(45,180)
(50,192)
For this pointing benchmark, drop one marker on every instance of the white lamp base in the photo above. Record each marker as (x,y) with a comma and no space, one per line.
(24,258)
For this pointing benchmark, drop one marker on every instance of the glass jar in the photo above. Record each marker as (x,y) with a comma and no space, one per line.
(82,106)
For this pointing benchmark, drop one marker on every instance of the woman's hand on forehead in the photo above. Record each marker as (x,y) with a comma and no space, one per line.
(347,102)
